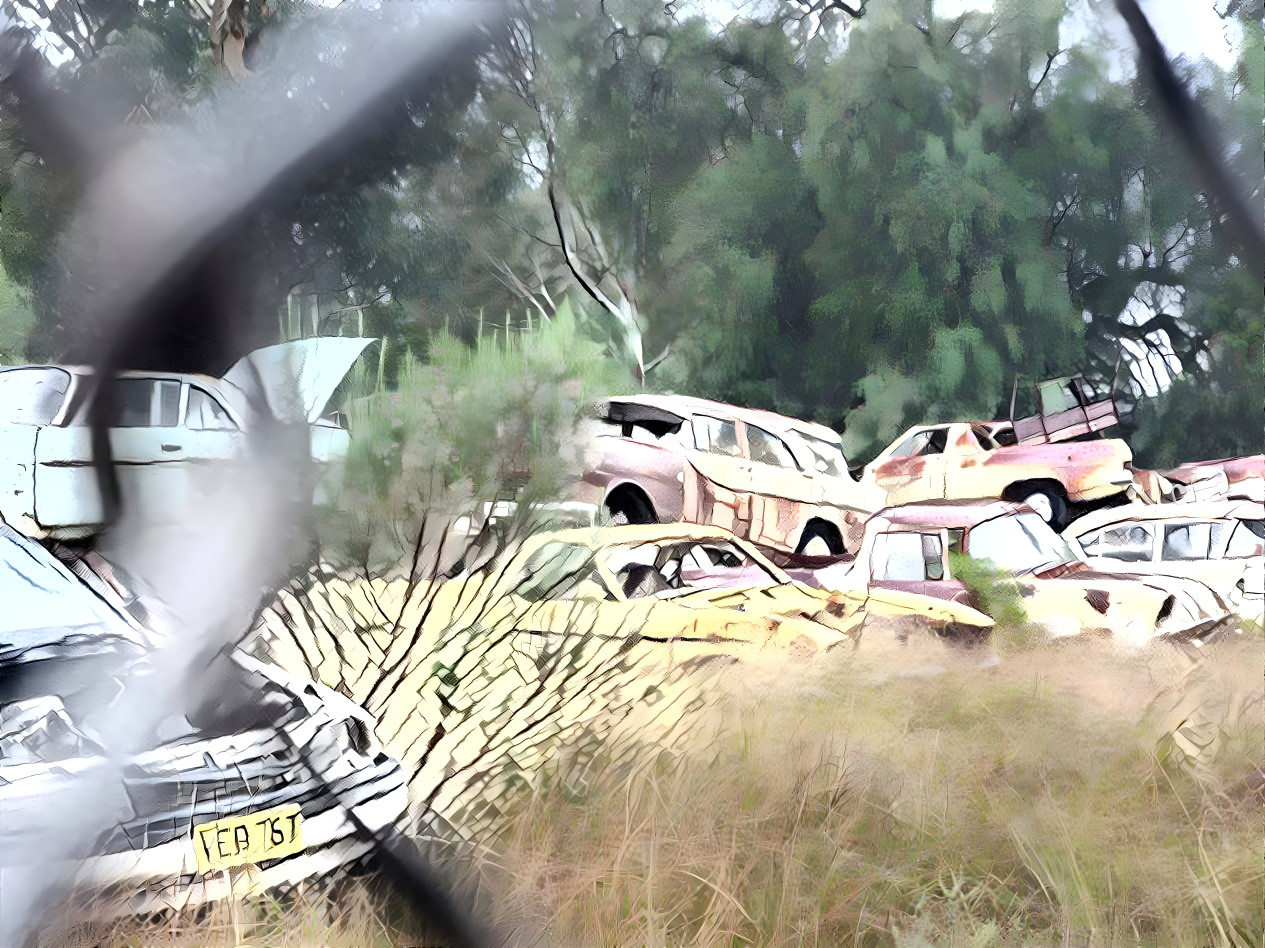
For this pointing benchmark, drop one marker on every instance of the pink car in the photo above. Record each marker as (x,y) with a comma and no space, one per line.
(774,480)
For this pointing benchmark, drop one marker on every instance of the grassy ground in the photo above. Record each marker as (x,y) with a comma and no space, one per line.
(1070,795)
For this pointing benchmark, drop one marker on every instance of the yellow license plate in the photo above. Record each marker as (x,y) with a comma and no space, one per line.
(241,840)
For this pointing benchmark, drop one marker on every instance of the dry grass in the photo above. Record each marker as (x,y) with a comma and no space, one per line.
(1043,801)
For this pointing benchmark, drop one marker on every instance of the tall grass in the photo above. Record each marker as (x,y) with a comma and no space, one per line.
(1044,800)
(1040,802)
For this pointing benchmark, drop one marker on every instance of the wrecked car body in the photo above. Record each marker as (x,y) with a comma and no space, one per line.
(909,547)
(962,460)
(1220,543)
(169,432)
(774,480)
(1068,408)
(260,783)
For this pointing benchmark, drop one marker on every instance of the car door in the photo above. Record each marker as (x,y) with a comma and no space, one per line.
(915,470)
(31,397)
(149,455)
(780,490)
(209,437)
(721,493)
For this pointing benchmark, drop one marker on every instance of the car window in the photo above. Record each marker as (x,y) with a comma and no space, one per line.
(32,396)
(906,557)
(649,569)
(983,437)
(767,448)
(204,413)
(912,445)
(716,437)
(1020,543)
(1057,397)
(1190,541)
(827,456)
(146,403)
(1248,539)
(1128,542)
(1005,437)
(560,571)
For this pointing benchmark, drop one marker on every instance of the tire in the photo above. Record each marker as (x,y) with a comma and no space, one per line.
(819,535)
(1049,506)
(629,506)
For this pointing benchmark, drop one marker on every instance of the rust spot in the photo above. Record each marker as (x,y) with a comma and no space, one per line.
(1100,599)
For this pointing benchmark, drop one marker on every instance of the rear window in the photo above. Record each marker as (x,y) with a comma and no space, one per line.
(32,396)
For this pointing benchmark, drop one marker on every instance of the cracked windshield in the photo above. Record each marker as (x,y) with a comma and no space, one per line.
(616,473)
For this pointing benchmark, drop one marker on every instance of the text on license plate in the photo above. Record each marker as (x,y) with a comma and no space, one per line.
(254,837)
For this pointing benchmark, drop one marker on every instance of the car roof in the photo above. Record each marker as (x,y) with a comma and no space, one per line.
(1201,510)
(690,405)
(949,513)
(634,533)
(209,380)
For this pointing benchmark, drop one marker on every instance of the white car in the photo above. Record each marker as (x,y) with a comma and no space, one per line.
(1221,543)
(168,427)
(268,771)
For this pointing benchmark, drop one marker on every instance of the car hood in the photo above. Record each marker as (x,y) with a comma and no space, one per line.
(48,611)
(296,379)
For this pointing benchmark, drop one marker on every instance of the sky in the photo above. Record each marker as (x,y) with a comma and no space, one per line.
(1184,27)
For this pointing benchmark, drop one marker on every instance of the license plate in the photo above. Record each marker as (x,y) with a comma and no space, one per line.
(254,837)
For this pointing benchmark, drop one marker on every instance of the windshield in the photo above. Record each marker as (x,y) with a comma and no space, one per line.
(1022,543)
(558,571)
(670,568)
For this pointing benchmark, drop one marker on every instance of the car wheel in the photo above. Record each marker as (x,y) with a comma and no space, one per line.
(819,540)
(1049,506)
(626,506)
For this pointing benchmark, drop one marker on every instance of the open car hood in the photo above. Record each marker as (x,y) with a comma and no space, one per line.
(296,379)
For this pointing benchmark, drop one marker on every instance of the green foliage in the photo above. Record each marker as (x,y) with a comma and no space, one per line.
(469,425)
(999,598)
(938,206)
(15,321)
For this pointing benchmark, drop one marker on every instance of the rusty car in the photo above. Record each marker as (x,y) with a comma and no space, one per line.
(1221,543)
(168,431)
(962,460)
(267,774)
(908,548)
(777,481)
(1067,408)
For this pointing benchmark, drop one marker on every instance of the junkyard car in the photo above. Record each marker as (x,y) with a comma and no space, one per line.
(698,589)
(774,480)
(907,548)
(962,461)
(1066,408)
(1221,543)
(168,430)
(1243,478)
(262,774)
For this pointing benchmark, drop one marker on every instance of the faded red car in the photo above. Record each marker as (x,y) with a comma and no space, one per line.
(774,480)
(907,549)
(963,460)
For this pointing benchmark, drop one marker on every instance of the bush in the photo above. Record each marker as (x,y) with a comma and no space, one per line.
(467,426)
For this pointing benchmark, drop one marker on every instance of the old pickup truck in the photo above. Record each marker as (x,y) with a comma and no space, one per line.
(1067,408)
(963,460)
